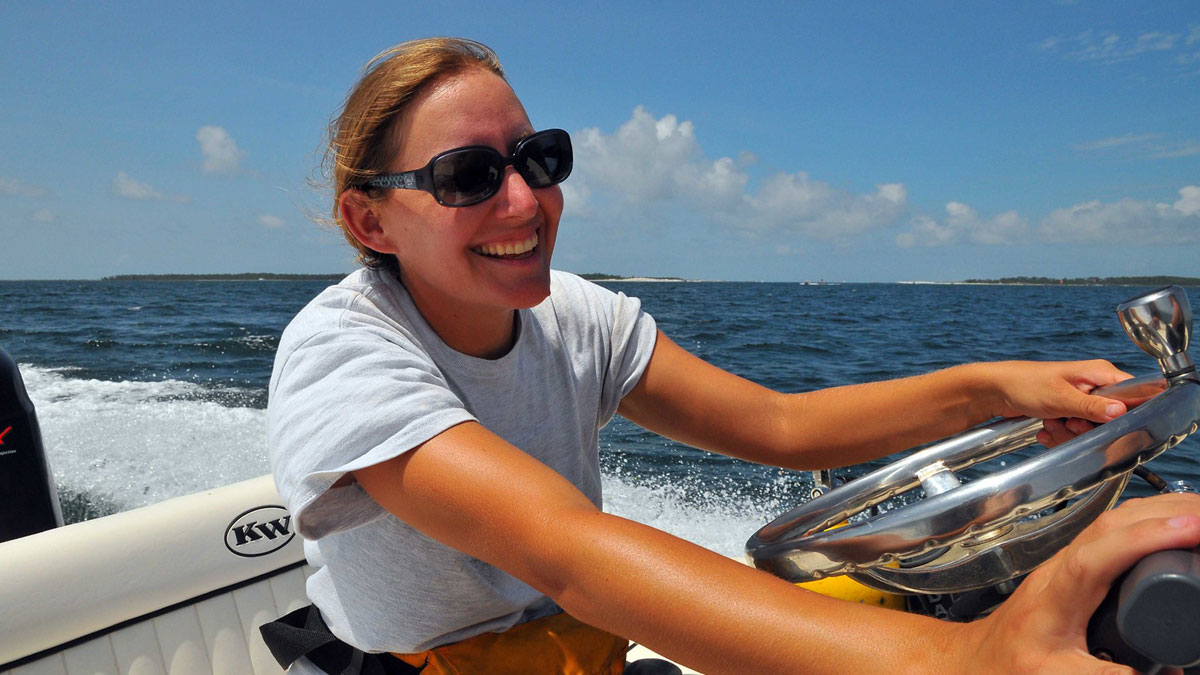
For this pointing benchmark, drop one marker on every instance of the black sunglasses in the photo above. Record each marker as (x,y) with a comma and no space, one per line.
(466,176)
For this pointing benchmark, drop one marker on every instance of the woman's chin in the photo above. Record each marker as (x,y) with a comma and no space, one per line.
(531,295)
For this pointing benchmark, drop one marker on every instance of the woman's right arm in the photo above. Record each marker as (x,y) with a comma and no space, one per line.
(472,491)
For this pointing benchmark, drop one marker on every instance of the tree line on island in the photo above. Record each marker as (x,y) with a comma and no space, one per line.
(1160,280)
(245,276)
(598,276)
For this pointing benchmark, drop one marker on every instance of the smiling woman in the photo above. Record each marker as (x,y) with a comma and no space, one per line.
(433,424)
(452,261)
(458,287)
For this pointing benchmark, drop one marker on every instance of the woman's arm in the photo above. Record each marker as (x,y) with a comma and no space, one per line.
(685,398)
(469,489)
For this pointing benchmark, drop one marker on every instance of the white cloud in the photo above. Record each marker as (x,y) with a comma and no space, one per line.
(1189,201)
(128,187)
(646,160)
(43,216)
(1108,47)
(1155,42)
(1049,43)
(16,188)
(1183,149)
(1150,146)
(270,221)
(925,231)
(1187,58)
(577,199)
(1116,141)
(963,223)
(1127,221)
(650,161)
(221,153)
(797,203)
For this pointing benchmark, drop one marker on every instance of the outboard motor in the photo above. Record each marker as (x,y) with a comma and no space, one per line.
(28,496)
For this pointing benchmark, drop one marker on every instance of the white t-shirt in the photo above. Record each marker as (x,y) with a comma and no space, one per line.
(360,378)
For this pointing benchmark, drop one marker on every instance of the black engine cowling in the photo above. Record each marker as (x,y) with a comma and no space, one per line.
(28,497)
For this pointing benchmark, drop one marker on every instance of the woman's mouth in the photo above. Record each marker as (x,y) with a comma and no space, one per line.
(510,250)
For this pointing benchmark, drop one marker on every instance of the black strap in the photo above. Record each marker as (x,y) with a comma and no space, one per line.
(304,633)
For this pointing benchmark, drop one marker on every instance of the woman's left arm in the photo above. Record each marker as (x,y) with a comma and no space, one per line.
(694,402)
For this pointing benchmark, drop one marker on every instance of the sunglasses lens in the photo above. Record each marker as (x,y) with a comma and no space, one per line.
(544,159)
(467,176)
(470,175)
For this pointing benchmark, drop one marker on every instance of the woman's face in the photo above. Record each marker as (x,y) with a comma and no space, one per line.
(452,260)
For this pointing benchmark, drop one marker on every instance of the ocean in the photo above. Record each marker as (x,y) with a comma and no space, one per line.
(147,390)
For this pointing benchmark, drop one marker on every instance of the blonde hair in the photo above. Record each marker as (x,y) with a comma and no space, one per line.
(362,138)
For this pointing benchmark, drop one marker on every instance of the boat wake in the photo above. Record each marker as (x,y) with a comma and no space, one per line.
(116,446)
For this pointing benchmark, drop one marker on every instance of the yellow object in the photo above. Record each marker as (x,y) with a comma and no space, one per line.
(551,645)
(846,588)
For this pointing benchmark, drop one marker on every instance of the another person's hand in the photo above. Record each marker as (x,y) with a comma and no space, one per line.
(1042,627)
(1059,393)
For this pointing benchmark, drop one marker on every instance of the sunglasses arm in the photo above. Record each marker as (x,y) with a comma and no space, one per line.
(408,180)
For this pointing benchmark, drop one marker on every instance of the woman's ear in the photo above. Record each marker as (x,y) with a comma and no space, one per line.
(361,216)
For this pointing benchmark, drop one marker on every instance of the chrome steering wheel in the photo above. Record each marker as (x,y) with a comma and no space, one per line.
(993,529)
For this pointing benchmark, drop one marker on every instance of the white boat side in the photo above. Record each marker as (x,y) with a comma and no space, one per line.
(176,588)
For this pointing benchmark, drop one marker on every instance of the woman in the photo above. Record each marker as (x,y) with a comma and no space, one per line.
(433,425)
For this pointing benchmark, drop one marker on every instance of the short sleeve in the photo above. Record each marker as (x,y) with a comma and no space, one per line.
(614,331)
(345,399)
(634,334)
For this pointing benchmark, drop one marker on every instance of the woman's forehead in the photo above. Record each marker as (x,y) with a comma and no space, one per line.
(476,107)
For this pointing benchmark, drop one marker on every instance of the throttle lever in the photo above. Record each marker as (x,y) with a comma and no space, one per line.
(1151,616)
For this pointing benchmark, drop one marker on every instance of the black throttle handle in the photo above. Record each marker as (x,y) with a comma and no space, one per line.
(1151,616)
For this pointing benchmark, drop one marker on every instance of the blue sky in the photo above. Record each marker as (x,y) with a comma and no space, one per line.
(789,141)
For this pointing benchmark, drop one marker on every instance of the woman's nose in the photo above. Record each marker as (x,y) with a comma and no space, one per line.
(515,196)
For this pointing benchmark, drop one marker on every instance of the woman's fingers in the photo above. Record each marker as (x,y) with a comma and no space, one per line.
(1077,426)
(1080,575)
(1059,389)
(1056,430)
(1042,628)
(1077,402)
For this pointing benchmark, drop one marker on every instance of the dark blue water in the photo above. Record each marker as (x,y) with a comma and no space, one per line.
(148,390)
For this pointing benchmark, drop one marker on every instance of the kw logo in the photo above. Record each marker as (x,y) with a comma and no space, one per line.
(3,434)
(270,529)
(259,531)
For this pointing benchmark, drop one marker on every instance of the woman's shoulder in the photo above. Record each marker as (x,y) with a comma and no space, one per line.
(365,299)
(585,307)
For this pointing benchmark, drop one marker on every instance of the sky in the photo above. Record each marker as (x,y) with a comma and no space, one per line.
(773,141)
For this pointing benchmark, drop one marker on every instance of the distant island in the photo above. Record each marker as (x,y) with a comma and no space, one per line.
(247,276)
(268,276)
(1091,281)
(596,276)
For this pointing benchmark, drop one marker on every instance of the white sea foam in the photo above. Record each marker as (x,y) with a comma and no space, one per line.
(259,342)
(721,521)
(138,443)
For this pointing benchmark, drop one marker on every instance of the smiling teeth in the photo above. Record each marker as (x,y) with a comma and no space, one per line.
(510,248)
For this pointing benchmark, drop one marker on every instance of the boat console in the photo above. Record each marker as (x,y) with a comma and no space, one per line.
(989,532)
